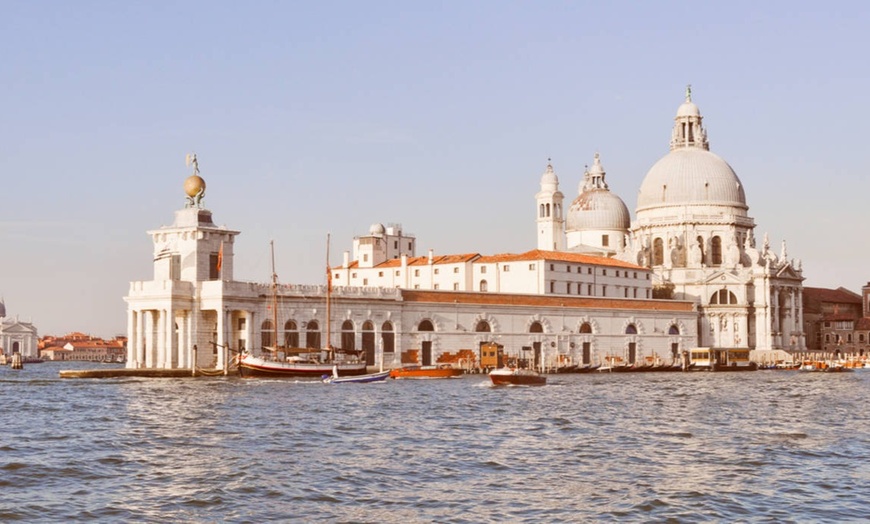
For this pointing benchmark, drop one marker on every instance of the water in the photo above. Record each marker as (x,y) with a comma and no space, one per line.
(769,446)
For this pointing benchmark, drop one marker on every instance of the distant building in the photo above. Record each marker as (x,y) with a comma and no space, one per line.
(78,346)
(17,336)
(838,320)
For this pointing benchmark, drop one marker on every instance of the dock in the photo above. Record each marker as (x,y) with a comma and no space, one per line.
(125,372)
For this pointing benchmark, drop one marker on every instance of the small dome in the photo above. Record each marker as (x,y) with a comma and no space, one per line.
(549,180)
(596,209)
(688,108)
(690,176)
(377,229)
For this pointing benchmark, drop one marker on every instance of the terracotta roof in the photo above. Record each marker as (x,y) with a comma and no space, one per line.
(420,261)
(512,299)
(561,256)
(863,324)
(840,295)
(838,316)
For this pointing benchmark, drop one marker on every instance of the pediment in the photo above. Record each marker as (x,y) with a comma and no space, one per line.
(15,327)
(788,272)
(724,278)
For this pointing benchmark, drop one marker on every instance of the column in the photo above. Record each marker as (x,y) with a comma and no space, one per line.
(149,339)
(160,343)
(221,341)
(132,337)
(182,339)
(140,338)
(249,339)
(170,340)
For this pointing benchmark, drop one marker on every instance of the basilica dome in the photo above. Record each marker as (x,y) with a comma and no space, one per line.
(690,174)
(596,208)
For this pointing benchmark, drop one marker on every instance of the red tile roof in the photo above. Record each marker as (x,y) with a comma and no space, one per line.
(561,256)
(840,295)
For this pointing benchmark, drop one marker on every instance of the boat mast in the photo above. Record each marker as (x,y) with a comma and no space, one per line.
(274,298)
(328,297)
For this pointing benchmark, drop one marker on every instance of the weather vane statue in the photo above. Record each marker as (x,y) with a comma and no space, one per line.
(194,186)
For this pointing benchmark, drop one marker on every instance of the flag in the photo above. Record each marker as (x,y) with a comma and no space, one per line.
(220,260)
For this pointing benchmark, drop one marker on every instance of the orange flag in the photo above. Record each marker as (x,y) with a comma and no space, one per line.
(220,260)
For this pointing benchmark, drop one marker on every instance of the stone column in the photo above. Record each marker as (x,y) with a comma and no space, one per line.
(182,320)
(249,338)
(132,337)
(171,341)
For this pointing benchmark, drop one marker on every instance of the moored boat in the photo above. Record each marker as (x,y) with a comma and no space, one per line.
(301,362)
(516,377)
(425,372)
(359,379)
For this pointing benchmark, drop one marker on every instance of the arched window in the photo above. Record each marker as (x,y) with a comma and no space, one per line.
(723,297)
(388,337)
(347,336)
(716,251)
(482,327)
(267,333)
(291,334)
(673,330)
(536,327)
(312,335)
(631,329)
(542,211)
(483,286)
(586,328)
(426,325)
(701,247)
(658,252)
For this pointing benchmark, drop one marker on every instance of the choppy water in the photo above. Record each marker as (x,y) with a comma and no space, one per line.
(769,446)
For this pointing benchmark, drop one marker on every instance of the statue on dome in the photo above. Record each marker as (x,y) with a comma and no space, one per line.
(688,92)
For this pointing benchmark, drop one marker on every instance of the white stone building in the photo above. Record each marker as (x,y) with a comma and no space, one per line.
(554,308)
(17,336)
(693,230)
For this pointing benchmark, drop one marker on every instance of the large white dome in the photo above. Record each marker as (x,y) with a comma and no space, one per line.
(690,176)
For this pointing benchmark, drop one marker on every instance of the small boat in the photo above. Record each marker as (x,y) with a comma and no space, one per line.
(426,372)
(516,377)
(362,379)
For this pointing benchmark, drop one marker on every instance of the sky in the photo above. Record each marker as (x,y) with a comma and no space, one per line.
(316,118)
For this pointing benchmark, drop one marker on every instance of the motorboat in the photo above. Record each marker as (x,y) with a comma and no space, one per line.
(516,377)
(426,372)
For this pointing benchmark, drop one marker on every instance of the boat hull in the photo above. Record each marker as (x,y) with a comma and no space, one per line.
(425,372)
(258,367)
(359,379)
(516,377)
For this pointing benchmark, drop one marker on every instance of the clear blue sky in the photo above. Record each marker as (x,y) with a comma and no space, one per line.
(316,117)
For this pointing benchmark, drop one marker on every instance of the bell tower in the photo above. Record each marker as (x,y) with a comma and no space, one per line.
(550,219)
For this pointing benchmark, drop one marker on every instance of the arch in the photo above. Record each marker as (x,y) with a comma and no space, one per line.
(536,327)
(658,252)
(631,329)
(425,325)
(267,333)
(388,337)
(312,334)
(482,326)
(673,330)
(716,251)
(585,328)
(723,297)
(348,340)
(291,334)
(541,212)
(701,246)
(368,325)
(484,286)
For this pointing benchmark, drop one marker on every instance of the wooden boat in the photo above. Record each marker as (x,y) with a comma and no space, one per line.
(359,379)
(279,361)
(516,377)
(426,372)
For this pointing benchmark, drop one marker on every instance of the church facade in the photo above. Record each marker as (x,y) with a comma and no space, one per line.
(693,230)
(17,336)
